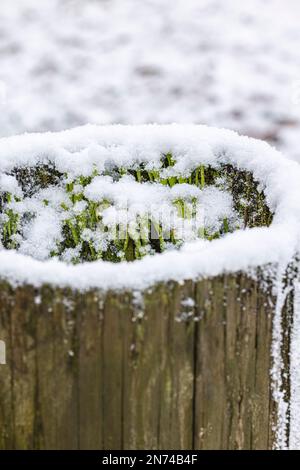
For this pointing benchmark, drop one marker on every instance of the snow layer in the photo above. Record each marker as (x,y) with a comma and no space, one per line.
(278,369)
(122,206)
(294,442)
(229,64)
(79,149)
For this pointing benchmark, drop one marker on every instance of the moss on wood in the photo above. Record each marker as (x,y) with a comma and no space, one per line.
(180,367)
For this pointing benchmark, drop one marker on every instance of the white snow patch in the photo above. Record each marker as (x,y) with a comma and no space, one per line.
(294,435)
(277,370)
(126,145)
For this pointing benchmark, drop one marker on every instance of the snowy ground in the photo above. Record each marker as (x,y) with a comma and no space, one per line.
(223,63)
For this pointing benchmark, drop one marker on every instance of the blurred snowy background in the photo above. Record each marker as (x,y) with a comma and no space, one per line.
(225,63)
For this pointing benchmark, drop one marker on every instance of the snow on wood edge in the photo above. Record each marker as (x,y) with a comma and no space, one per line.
(77,150)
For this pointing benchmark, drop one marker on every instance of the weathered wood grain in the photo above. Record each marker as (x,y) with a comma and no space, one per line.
(183,366)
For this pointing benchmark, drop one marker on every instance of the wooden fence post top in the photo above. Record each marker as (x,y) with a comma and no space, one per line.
(168,341)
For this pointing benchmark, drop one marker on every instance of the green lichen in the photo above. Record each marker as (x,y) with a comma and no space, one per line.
(82,220)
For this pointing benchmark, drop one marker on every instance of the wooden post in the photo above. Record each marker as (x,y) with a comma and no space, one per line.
(180,367)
